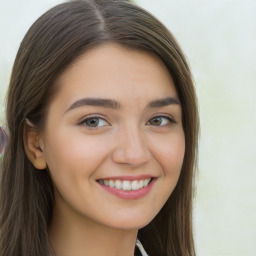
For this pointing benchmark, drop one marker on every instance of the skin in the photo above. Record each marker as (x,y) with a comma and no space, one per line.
(127,141)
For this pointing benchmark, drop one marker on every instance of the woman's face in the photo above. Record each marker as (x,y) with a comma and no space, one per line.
(113,139)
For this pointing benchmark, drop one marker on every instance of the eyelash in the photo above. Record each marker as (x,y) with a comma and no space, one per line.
(83,122)
(168,117)
(98,117)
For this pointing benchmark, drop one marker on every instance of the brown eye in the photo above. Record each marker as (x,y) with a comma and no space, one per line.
(92,122)
(95,122)
(160,121)
(155,121)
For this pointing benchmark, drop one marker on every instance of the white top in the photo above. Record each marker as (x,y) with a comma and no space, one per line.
(140,246)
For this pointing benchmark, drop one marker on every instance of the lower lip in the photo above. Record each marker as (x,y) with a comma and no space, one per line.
(129,194)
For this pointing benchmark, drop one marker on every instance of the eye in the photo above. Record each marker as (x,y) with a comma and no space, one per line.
(161,120)
(94,122)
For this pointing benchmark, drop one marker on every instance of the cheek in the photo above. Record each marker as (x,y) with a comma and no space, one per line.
(74,154)
(170,153)
(173,158)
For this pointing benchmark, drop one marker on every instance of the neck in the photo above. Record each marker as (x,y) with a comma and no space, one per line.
(77,235)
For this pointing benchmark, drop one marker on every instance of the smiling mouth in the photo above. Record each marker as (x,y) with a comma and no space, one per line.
(126,185)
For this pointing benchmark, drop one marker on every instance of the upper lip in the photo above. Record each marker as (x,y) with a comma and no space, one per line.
(128,177)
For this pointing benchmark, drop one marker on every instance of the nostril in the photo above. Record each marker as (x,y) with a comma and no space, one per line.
(130,158)
(3,140)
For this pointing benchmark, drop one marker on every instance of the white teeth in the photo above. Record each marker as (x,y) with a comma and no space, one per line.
(135,185)
(146,182)
(118,184)
(126,184)
(111,183)
(141,184)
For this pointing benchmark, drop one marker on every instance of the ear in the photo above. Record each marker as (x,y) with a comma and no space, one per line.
(33,144)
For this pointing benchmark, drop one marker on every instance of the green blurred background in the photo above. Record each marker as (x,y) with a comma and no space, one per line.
(219,38)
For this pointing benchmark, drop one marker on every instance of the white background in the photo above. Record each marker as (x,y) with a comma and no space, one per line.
(219,40)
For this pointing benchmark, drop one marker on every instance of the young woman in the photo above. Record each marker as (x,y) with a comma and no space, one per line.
(102,137)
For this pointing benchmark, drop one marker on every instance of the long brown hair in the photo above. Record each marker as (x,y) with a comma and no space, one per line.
(52,43)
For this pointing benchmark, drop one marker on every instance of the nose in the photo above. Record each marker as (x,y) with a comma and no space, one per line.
(131,148)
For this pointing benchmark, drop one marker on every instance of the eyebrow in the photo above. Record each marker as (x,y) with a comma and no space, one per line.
(163,102)
(99,102)
(113,104)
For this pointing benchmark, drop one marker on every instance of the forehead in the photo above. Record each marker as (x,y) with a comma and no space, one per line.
(112,71)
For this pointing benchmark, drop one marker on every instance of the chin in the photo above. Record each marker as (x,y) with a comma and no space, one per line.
(130,223)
